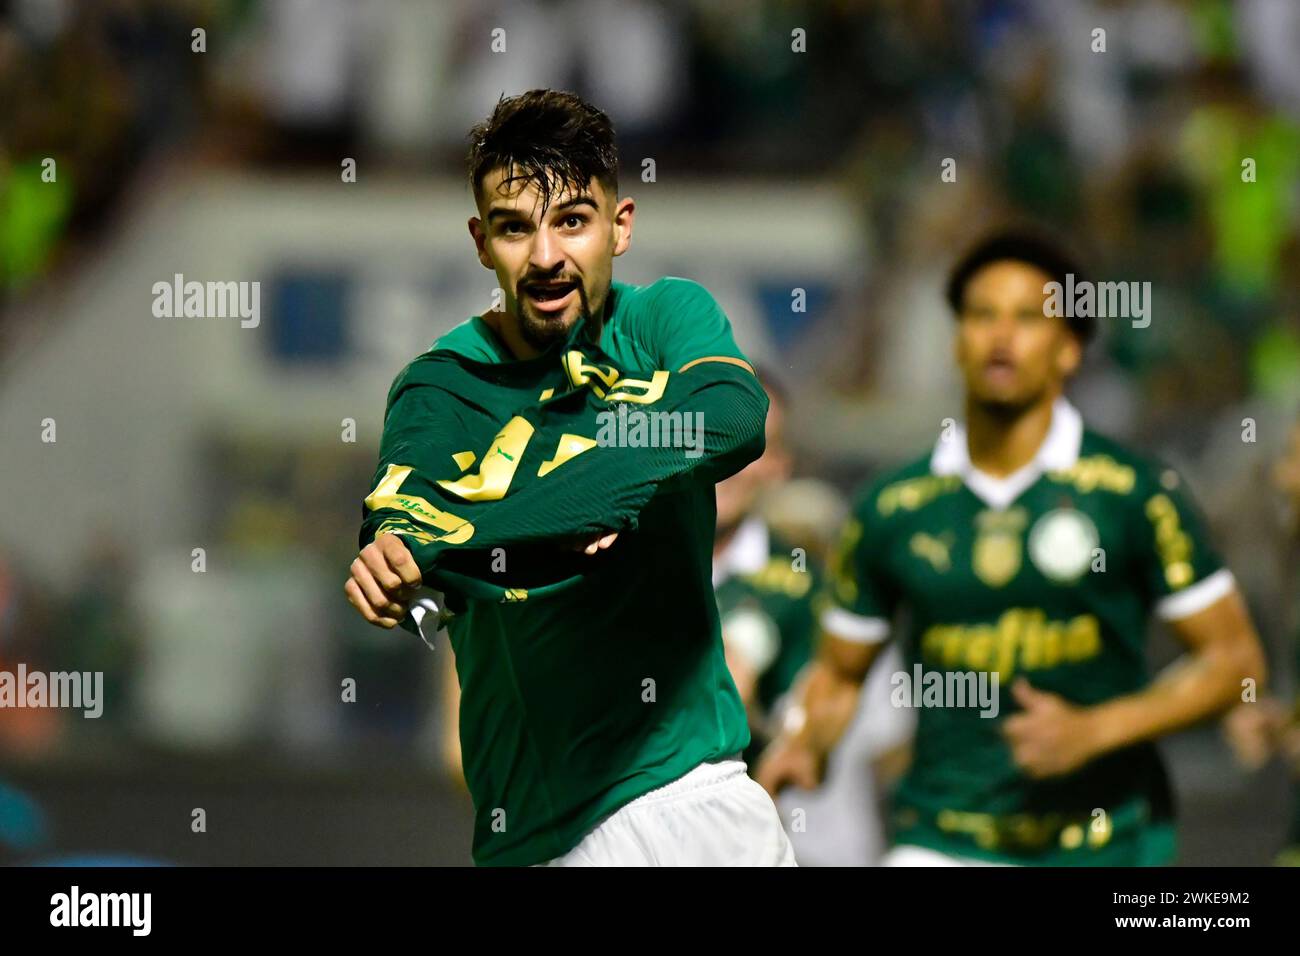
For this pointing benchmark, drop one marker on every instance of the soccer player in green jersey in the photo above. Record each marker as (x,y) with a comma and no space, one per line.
(598,722)
(1028,548)
(767,591)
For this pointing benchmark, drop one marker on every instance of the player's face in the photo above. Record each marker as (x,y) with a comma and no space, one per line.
(554,264)
(1011,353)
(737,495)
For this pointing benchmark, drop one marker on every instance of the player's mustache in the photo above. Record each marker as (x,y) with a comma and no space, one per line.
(546,280)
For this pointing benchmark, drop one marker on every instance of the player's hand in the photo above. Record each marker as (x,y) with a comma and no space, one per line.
(1254,731)
(1050,736)
(383,582)
(591,545)
(787,762)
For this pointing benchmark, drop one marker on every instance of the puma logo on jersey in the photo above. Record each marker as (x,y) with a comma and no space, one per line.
(936,550)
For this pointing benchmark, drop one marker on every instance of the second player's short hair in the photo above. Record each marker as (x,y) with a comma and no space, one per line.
(551,138)
(1029,247)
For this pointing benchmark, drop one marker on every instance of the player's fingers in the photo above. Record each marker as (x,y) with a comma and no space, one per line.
(1024,694)
(379,601)
(358,601)
(377,562)
(400,560)
(606,541)
(591,548)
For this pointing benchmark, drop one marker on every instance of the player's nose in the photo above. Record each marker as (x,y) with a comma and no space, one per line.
(547,253)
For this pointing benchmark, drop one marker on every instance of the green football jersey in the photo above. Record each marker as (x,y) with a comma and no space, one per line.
(589,680)
(1050,574)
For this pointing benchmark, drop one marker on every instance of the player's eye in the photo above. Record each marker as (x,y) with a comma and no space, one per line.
(573,221)
(512,228)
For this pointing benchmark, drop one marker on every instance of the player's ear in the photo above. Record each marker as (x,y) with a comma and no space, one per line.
(477,232)
(624,214)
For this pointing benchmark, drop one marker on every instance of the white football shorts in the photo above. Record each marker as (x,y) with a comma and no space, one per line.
(714,815)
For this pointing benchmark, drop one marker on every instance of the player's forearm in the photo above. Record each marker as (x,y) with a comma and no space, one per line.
(730,407)
(1197,686)
(825,707)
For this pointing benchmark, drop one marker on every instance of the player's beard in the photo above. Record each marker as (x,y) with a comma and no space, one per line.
(1008,410)
(541,333)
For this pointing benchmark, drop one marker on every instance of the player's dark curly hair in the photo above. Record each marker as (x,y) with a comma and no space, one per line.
(554,139)
(1018,245)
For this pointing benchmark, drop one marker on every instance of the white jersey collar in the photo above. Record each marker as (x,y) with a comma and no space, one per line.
(1059,450)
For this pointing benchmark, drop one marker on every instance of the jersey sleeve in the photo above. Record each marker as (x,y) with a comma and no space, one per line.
(859,600)
(1179,567)
(414,452)
(506,499)
(686,325)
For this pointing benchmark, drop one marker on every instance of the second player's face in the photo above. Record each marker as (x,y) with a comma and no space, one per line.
(1011,353)
(553,264)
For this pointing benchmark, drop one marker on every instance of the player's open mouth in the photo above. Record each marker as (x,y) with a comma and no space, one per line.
(1000,369)
(551,296)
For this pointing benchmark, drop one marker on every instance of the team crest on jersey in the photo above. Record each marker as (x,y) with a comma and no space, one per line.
(1061,544)
(996,555)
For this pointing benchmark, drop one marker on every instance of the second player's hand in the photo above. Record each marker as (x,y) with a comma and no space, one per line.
(383,581)
(786,762)
(1050,736)
(1256,731)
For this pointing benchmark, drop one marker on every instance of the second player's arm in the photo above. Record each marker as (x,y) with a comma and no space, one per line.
(822,709)
(1223,651)
(1050,736)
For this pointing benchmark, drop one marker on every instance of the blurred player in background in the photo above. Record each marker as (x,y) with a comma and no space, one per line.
(1259,730)
(1028,547)
(766,590)
(598,722)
